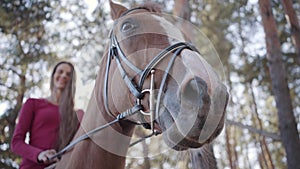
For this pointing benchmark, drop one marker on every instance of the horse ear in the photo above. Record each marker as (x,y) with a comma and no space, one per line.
(116,10)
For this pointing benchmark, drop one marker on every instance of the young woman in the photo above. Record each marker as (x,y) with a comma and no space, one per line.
(50,122)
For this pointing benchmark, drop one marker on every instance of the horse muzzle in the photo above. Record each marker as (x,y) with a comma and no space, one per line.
(185,112)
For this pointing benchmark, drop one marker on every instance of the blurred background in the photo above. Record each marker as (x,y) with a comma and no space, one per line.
(263,78)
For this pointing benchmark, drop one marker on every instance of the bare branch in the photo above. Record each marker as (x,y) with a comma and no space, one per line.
(11,68)
(274,136)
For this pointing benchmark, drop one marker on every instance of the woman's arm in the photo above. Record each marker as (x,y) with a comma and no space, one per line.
(18,144)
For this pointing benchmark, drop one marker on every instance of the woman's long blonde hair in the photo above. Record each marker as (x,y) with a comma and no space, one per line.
(68,117)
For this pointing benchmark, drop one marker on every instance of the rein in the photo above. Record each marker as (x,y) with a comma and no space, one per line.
(120,117)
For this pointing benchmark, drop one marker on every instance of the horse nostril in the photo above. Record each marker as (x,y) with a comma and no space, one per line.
(194,90)
(191,90)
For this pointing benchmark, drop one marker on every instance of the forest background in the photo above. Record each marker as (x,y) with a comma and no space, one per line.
(258,42)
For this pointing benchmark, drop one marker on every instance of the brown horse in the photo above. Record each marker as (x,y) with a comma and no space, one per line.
(148,75)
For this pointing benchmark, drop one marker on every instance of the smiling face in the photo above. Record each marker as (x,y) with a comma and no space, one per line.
(61,76)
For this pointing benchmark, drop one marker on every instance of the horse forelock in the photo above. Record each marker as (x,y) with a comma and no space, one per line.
(152,7)
(148,7)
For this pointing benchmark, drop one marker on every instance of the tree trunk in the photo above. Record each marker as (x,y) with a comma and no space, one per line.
(139,132)
(147,164)
(294,24)
(287,122)
(183,11)
(262,139)
(230,155)
(15,111)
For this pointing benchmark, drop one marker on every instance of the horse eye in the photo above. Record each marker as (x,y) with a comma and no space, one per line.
(127,26)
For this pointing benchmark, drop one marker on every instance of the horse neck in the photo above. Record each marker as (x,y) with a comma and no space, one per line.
(106,149)
(103,151)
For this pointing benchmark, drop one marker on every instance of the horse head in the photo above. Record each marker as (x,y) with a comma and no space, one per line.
(149,75)
(189,100)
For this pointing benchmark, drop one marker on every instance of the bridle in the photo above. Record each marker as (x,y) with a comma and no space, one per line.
(136,89)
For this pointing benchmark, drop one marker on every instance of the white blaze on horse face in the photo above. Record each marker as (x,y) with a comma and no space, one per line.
(199,67)
(171,31)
